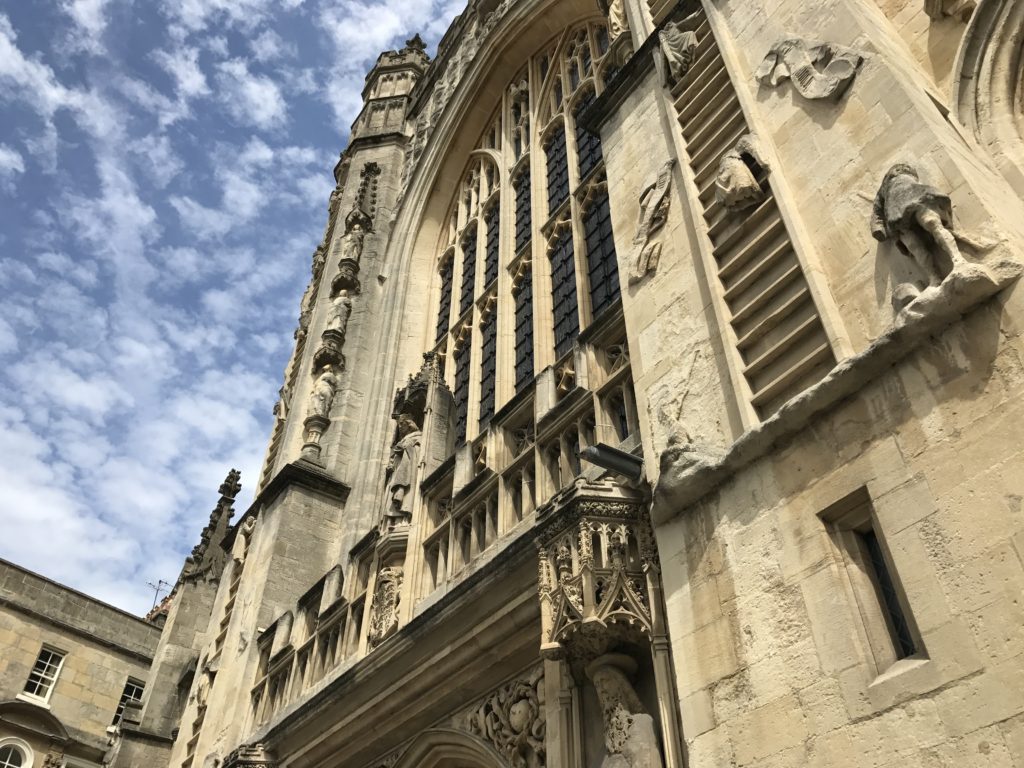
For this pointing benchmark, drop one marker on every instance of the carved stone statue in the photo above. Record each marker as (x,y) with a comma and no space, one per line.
(736,187)
(678,44)
(615,11)
(629,732)
(654,202)
(322,395)
(962,9)
(405,457)
(338,314)
(919,218)
(351,245)
(386,596)
(822,71)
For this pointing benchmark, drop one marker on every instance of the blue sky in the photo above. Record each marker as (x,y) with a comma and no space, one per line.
(164,173)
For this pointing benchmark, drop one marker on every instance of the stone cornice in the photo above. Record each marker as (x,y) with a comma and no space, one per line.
(301,473)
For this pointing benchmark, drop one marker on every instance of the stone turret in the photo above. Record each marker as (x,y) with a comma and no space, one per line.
(388,91)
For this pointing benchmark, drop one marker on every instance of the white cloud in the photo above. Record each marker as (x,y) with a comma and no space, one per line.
(90,21)
(182,64)
(268,45)
(249,98)
(12,164)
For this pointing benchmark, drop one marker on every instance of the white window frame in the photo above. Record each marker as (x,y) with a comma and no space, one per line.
(33,697)
(26,750)
(122,702)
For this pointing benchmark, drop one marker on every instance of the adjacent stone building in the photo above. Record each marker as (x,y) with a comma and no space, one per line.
(69,667)
(656,400)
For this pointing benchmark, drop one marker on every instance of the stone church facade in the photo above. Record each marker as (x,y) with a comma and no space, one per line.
(656,400)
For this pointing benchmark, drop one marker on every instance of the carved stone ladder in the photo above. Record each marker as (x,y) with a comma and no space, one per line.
(779,335)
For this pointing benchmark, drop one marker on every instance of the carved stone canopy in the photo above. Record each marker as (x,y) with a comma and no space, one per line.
(329,353)
(251,756)
(599,572)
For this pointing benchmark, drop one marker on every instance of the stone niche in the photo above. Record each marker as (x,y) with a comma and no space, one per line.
(602,621)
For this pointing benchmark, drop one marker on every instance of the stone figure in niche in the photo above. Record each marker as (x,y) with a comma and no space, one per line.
(322,396)
(678,42)
(938,9)
(821,71)
(405,457)
(615,11)
(356,226)
(338,314)
(654,202)
(919,219)
(386,596)
(736,186)
(629,732)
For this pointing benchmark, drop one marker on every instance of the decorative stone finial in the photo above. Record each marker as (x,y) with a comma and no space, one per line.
(415,43)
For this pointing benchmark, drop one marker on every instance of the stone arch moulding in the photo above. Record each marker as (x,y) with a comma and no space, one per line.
(448,748)
(988,89)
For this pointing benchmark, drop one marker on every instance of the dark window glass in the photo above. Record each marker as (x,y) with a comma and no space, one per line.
(461,391)
(563,293)
(468,270)
(588,145)
(558,170)
(524,219)
(602,268)
(491,252)
(902,639)
(488,362)
(445,309)
(524,332)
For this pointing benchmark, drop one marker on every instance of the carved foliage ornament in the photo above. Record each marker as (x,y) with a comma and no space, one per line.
(818,71)
(386,596)
(512,719)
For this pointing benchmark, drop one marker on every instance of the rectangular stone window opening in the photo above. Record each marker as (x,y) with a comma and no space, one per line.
(44,674)
(132,694)
(888,622)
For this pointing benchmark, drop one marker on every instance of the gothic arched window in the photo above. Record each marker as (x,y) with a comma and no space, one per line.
(525,266)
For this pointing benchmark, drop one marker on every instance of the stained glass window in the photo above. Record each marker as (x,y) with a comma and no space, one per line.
(488,365)
(468,270)
(461,390)
(492,221)
(524,331)
(602,268)
(558,169)
(563,292)
(445,308)
(524,220)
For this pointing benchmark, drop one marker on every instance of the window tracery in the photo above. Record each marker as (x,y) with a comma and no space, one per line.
(528,248)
